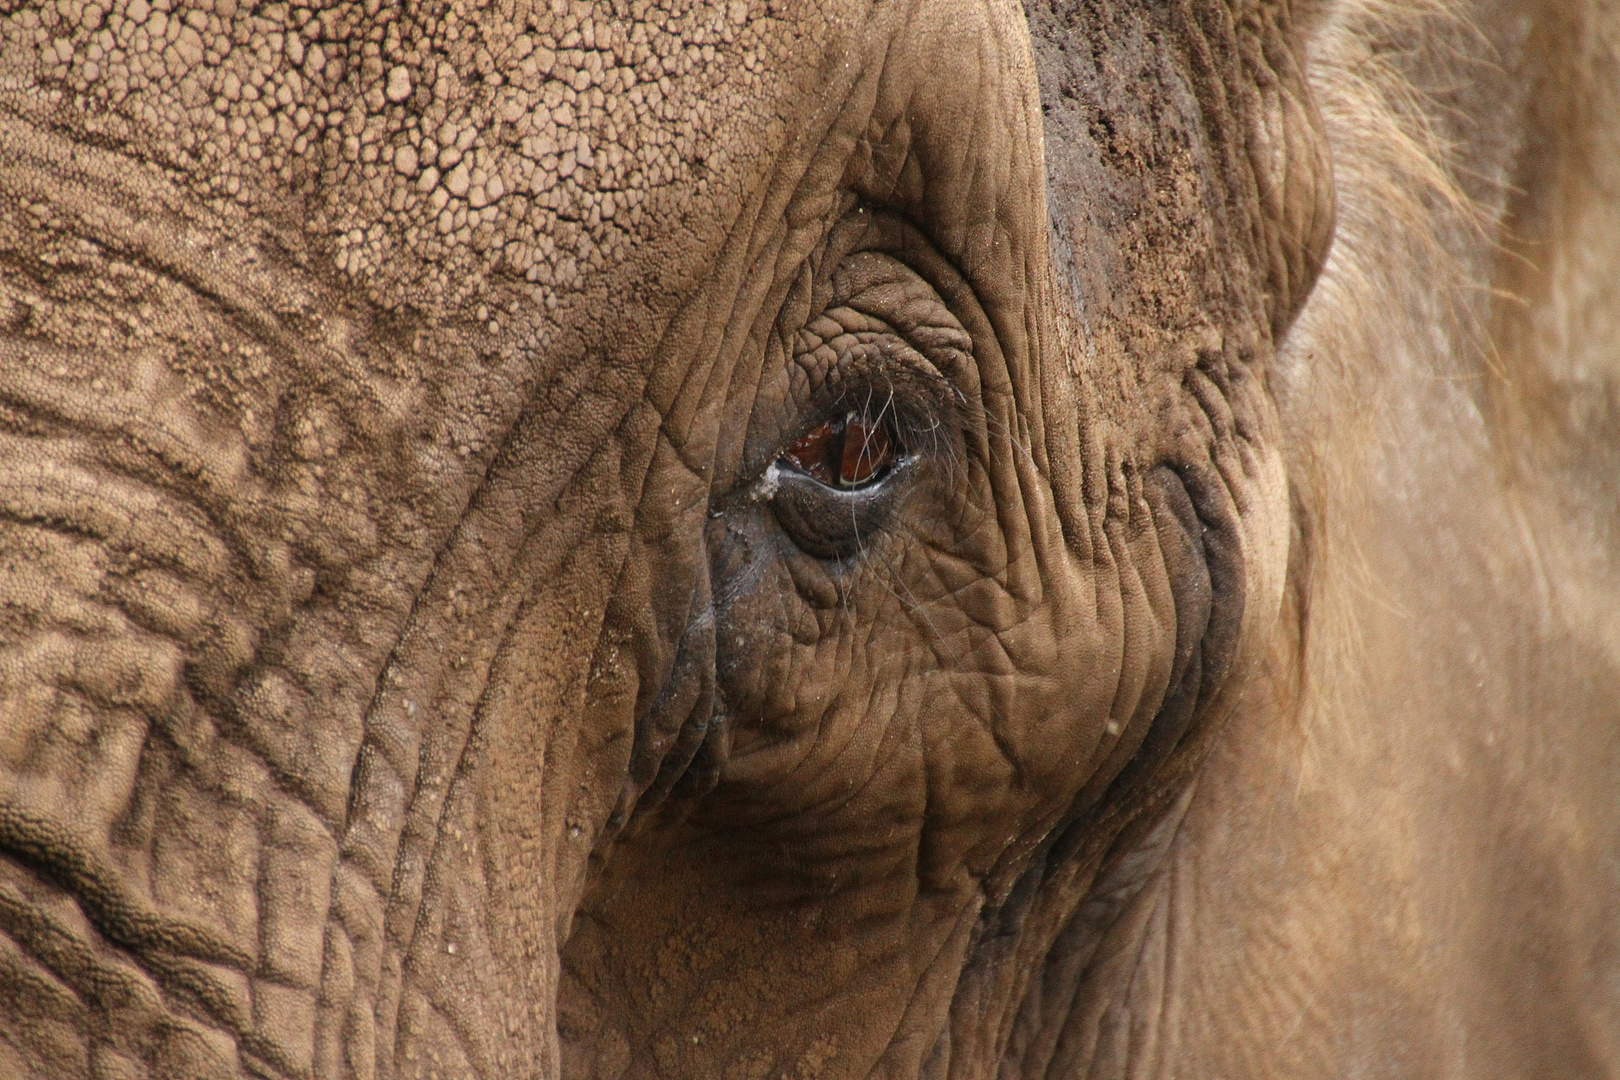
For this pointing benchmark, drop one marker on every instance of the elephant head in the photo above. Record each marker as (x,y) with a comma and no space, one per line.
(604,539)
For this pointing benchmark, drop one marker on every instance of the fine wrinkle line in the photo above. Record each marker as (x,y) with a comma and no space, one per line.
(148,226)
(117,910)
(108,508)
(147,412)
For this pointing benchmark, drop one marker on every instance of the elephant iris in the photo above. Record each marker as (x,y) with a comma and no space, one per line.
(845,453)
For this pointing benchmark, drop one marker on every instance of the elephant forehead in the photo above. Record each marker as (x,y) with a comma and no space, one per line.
(429,149)
(546,145)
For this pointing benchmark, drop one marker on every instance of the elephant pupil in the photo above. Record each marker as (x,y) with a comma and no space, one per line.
(844,453)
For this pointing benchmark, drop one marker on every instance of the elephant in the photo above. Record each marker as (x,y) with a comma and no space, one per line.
(768,538)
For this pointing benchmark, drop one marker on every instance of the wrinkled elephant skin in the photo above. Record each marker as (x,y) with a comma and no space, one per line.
(828,540)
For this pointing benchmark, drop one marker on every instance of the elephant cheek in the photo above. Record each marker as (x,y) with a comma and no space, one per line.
(593,717)
(508,849)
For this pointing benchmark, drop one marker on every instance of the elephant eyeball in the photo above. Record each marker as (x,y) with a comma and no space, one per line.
(846,453)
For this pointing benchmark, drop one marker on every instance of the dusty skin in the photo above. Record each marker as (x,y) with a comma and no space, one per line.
(924,538)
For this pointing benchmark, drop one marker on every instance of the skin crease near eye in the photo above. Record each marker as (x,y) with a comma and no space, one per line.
(846,453)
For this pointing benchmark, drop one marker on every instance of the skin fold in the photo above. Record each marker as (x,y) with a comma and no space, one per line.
(422,656)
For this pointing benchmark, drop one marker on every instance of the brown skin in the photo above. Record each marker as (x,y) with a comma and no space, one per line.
(415,658)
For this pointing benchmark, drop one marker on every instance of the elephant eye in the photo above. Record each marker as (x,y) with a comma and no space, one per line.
(845,453)
(830,488)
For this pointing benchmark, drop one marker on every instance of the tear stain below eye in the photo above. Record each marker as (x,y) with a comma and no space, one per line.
(765,490)
(845,453)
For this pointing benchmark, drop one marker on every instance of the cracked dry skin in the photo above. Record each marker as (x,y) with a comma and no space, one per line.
(423,654)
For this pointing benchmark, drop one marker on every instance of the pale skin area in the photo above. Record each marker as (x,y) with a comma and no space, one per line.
(405,670)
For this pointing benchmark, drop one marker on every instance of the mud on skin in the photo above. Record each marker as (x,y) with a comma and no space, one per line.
(805,539)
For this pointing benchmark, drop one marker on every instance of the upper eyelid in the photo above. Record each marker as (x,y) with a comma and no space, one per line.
(840,366)
(841,321)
